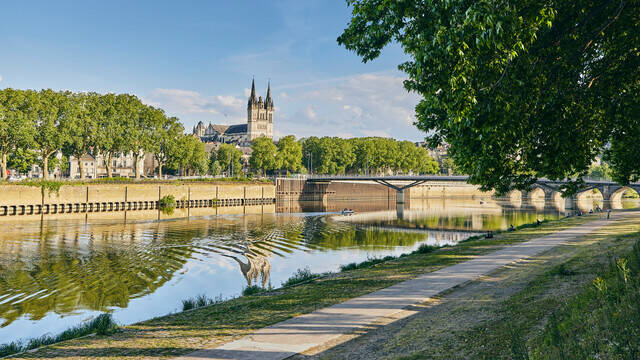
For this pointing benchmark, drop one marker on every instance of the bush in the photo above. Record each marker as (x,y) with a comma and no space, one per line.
(167,204)
(425,249)
(252,290)
(103,324)
(300,276)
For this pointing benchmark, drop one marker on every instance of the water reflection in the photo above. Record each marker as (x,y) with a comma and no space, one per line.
(56,273)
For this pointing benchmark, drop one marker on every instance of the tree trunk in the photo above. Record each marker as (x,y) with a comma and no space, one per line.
(4,166)
(109,169)
(81,167)
(160,170)
(45,167)
(135,165)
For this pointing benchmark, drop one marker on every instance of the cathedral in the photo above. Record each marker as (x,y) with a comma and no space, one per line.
(259,123)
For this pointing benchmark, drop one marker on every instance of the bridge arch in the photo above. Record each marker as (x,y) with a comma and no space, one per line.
(616,196)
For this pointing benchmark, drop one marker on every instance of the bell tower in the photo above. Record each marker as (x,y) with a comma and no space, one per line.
(259,114)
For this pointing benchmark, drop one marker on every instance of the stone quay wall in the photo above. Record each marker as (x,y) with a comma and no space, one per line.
(16,200)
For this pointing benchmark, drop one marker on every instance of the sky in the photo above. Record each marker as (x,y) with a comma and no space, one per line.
(196,60)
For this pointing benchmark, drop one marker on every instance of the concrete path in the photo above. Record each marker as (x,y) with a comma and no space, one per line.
(305,332)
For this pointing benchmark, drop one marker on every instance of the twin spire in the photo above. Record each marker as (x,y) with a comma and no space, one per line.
(253,102)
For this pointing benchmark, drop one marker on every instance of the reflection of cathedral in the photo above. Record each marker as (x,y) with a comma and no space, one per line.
(259,123)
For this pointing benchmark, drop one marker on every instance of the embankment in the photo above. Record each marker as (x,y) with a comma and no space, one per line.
(24,200)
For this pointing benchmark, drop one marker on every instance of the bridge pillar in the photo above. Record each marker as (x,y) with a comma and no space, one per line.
(400,196)
(570,203)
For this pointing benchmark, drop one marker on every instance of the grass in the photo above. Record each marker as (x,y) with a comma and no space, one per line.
(208,326)
(253,290)
(300,276)
(570,303)
(103,324)
(200,301)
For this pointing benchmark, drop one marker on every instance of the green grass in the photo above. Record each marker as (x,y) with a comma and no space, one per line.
(200,301)
(183,332)
(103,324)
(300,276)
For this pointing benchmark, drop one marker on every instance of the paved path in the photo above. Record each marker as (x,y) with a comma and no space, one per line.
(302,333)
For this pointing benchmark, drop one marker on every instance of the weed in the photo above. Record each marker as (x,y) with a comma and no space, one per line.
(425,249)
(167,204)
(200,301)
(562,270)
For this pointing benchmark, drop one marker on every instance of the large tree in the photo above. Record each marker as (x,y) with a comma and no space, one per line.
(230,159)
(263,156)
(84,110)
(165,133)
(52,111)
(289,155)
(521,89)
(191,157)
(16,126)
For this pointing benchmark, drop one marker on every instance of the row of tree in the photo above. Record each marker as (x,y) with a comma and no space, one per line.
(334,155)
(39,124)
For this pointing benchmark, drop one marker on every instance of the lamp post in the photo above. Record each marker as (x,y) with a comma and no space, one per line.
(310,154)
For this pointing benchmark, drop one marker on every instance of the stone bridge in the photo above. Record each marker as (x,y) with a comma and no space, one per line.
(543,190)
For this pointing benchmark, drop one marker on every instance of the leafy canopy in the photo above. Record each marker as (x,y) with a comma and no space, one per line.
(521,89)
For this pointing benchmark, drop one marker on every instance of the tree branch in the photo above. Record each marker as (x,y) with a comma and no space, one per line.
(613,19)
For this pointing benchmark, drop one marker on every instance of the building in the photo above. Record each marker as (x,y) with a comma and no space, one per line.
(95,166)
(259,123)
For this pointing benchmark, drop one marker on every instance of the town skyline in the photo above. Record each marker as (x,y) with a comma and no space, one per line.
(196,71)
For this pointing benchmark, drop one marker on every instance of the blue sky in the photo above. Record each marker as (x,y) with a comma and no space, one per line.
(195,59)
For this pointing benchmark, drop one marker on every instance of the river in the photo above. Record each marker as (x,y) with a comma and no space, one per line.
(57,273)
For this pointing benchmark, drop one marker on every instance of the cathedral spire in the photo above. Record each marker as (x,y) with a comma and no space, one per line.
(252,98)
(268,102)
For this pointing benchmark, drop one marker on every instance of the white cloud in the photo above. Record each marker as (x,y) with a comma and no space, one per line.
(0,77)
(373,104)
(191,106)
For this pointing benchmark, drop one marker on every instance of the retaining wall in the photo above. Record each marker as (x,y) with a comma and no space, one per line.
(16,200)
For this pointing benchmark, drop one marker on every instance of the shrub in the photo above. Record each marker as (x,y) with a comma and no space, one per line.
(252,290)
(425,249)
(167,204)
(300,276)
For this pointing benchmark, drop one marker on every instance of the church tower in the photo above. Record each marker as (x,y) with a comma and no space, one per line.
(259,114)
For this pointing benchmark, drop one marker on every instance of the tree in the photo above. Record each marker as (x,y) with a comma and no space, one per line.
(136,119)
(22,160)
(52,112)
(263,157)
(84,109)
(190,156)
(16,126)
(165,134)
(521,88)
(289,156)
(230,158)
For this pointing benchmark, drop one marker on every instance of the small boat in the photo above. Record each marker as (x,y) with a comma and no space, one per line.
(347,212)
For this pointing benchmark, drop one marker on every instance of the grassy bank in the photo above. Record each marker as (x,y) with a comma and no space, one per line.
(210,325)
(549,307)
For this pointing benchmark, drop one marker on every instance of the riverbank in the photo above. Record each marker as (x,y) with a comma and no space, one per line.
(209,326)
(539,309)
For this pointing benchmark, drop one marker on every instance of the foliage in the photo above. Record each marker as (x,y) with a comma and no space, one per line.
(519,89)
(289,156)
(22,160)
(103,324)
(16,127)
(252,290)
(263,157)
(230,158)
(167,204)
(333,155)
(600,171)
(300,276)
(190,156)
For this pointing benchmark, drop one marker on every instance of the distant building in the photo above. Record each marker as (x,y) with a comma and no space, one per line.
(95,166)
(439,153)
(259,123)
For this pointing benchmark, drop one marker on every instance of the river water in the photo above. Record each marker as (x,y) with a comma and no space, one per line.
(57,273)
